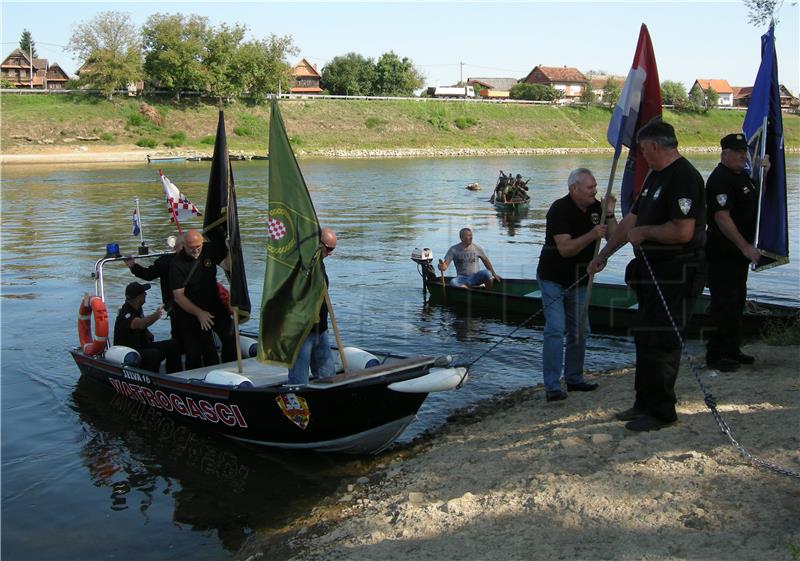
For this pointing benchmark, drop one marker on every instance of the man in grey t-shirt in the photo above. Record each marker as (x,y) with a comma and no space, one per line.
(466,255)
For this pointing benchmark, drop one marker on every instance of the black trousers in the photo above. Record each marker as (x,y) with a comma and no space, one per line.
(727,281)
(155,352)
(199,344)
(658,347)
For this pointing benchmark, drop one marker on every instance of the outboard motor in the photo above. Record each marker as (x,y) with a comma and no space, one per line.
(424,259)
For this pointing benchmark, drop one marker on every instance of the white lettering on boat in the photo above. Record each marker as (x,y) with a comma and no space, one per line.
(230,415)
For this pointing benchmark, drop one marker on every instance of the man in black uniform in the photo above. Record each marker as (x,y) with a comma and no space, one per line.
(574,224)
(732,202)
(666,227)
(130,330)
(199,309)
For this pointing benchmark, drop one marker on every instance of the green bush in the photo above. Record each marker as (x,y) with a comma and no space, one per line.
(243,131)
(438,118)
(781,333)
(136,120)
(375,122)
(171,144)
(146,143)
(107,136)
(179,137)
(210,139)
(465,122)
(295,140)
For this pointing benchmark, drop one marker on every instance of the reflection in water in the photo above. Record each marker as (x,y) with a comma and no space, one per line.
(144,458)
(512,221)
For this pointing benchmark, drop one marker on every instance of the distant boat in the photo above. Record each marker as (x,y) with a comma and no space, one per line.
(473,187)
(165,159)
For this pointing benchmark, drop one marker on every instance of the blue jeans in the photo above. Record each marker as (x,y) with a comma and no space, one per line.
(561,316)
(472,280)
(316,354)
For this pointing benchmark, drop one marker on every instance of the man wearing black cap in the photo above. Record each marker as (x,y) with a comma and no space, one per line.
(130,330)
(732,207)
(666,228)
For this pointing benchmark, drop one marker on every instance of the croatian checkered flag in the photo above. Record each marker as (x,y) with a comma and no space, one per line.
(179,207)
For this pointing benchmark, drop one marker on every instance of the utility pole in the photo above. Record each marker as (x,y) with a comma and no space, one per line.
(30,59)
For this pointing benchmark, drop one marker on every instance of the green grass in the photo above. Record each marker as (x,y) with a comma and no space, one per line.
(354,124)
(782,333)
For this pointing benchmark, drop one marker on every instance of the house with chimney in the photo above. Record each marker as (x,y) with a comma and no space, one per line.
(722,87)
(24,72)
(566,79)
(306,78)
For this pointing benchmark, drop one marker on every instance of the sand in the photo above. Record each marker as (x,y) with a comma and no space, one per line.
(520,478)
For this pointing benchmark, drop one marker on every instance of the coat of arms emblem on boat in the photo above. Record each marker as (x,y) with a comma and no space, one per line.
(295,408)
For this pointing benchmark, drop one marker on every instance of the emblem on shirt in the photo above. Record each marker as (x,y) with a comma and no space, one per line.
(128,315)
(745,189)
(595,216)
(722,198)
(657,193)
(295,408)
(685,205)
(207,263)
(644,193)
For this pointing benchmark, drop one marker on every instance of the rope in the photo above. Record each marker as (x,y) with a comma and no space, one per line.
(708,399)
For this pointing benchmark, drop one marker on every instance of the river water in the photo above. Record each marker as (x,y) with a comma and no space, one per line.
(85,478)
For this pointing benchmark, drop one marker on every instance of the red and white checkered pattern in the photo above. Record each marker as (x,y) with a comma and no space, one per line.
(276,229)
(177,204)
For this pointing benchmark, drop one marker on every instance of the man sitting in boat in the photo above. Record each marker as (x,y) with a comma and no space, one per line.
(466,255)
(131,330)
(199,309)
(316,350)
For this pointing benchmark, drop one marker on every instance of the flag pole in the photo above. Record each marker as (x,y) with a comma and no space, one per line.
(139,216)
(762,152)
(229,273)
(335,328)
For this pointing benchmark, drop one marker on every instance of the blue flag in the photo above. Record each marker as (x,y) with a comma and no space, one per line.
(763,128)
(136,226)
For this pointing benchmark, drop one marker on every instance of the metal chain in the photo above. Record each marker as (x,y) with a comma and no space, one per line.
(708,399)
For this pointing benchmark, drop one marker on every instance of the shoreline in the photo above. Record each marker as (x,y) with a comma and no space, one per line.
(88,154)
(519,478)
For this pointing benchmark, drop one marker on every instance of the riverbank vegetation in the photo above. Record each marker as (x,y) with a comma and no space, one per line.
(319,125)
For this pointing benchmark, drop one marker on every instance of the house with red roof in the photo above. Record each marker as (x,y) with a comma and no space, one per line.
(20,70)
(722,87)
(567,79)
(306,78)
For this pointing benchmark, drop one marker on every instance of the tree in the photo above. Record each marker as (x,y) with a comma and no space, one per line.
(27,45)
(674,93)
(351,74)
(697,100)
(110,48)
(712,98)
(611,91)
(535,92)
(394,76)
(175,47)
(220,59)
(761,12)
(587,95)
(263,66)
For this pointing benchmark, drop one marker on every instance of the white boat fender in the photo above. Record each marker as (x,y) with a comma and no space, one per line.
(249,346)
(225,378)
(123,355)
(357,359)
(436,380)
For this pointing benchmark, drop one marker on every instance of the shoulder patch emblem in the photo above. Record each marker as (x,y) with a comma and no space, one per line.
(685,205)
(745,189)
(722,198)
(207,263)
(128,315)
(595,217)
(644,193)
(657,193)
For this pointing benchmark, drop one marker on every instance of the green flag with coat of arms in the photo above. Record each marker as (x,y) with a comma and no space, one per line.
(294,283)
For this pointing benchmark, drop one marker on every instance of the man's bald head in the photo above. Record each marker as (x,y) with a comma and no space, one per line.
(193,243)
(328,239)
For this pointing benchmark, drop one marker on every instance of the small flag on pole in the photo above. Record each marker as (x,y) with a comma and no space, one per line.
(136,224)
(178,205)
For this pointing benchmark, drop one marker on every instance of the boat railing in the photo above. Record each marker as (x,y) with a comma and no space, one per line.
(98,268)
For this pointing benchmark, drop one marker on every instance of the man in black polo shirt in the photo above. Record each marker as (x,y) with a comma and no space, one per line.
(199,309)
(130,330)
(666,227)
(732,202)
(574,223)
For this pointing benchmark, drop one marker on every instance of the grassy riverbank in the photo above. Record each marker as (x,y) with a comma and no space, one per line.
(319,126)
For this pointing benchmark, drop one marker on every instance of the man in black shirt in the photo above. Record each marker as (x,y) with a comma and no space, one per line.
(574,223)
(199,309)
(732,203)
(666,228)
(130,330)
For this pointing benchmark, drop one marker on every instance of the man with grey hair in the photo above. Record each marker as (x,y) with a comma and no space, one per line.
(666,227)
(466,256)
(574,224)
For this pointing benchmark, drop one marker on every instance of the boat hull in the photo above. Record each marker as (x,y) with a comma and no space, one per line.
(363,416)
(612,309)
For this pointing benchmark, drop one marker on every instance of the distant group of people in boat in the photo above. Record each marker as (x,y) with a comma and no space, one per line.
(510,189)
(675,219)
(192,300)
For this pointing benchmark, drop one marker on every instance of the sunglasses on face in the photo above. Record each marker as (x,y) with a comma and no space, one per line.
(329,248)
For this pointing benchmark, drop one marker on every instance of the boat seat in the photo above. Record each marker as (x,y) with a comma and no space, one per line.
(379,370)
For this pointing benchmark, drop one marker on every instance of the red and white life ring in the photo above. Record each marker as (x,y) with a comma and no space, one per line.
(93,343)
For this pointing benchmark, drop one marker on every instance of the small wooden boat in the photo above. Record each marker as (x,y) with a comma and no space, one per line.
(612,308)
(164,159)
(510,194)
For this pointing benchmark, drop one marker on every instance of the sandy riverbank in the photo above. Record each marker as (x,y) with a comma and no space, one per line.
(89,153)
(524,479)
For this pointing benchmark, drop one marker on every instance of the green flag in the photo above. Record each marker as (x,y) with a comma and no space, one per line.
(293,283)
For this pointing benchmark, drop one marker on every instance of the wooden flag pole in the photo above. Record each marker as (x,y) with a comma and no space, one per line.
(238,343)
(609,188)
(335,329)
